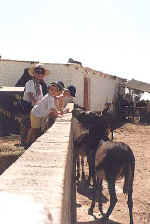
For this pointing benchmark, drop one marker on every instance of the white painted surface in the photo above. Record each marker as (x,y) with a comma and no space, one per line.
(20,208)
(11,71)
(69,75)
(102,86)
(102,91)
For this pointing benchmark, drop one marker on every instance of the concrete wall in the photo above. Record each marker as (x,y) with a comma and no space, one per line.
(40,181)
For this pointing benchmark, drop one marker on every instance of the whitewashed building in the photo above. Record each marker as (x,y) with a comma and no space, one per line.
(94,88)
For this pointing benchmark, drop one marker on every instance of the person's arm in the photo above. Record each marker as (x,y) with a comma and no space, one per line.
(30,89)
(61,105)
(32,98)
(68,108)
(59,102)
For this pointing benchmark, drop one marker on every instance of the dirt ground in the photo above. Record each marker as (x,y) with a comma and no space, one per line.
(9,151)
(137,136)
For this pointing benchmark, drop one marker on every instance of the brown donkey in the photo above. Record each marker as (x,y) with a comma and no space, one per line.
(107,161)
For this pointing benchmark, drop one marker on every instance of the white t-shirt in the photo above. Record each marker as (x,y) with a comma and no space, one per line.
(45,105)
(30,88)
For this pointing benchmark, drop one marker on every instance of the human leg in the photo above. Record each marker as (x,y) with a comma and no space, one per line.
(34,131)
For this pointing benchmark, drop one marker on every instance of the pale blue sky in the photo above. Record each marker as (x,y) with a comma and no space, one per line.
(112,36)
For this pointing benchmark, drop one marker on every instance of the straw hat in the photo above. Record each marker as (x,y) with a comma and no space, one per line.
(38,69)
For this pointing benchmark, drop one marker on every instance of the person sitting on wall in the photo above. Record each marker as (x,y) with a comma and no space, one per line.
(32,95)
(47,106)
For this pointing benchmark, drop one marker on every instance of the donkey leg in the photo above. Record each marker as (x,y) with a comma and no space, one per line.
(128,189)
(82,164)
(113,197)
(100,205)
(91,162)
(130,206)
(78,166)
(90,211)
(90,171)
(130,200)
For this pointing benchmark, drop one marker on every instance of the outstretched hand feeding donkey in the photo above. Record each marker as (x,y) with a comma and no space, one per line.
(107,160)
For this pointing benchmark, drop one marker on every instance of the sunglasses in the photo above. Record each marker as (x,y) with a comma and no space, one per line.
(39,71)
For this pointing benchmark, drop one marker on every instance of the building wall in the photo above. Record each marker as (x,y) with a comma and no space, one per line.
(11,71)
(102,90)
(69,74)
(101,86)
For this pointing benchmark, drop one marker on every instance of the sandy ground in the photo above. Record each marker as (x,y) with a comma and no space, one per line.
(137,136)
(9,151)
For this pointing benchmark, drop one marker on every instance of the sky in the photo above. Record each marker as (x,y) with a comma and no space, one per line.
(112,36)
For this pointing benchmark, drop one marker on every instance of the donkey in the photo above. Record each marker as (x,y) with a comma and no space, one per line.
(80,153)
(82,146)
(108,160)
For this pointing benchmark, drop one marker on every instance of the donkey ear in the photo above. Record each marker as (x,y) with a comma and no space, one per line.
(76,113)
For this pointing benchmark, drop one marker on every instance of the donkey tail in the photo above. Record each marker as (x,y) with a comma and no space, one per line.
(129,177)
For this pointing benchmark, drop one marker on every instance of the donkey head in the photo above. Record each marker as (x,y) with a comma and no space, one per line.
(91,120)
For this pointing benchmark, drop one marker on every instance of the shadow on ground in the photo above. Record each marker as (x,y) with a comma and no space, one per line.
(6,161)
(99,221)
(86,190)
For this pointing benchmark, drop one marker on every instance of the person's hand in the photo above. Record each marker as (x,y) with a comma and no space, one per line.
(67,110)
(60,113)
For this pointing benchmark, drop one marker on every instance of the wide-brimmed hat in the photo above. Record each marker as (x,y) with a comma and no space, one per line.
(38,69)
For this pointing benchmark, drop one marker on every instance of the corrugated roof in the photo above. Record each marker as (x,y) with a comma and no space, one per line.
(138,85)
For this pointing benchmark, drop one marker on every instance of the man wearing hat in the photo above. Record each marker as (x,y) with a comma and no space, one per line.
(33,89)
(32,95)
